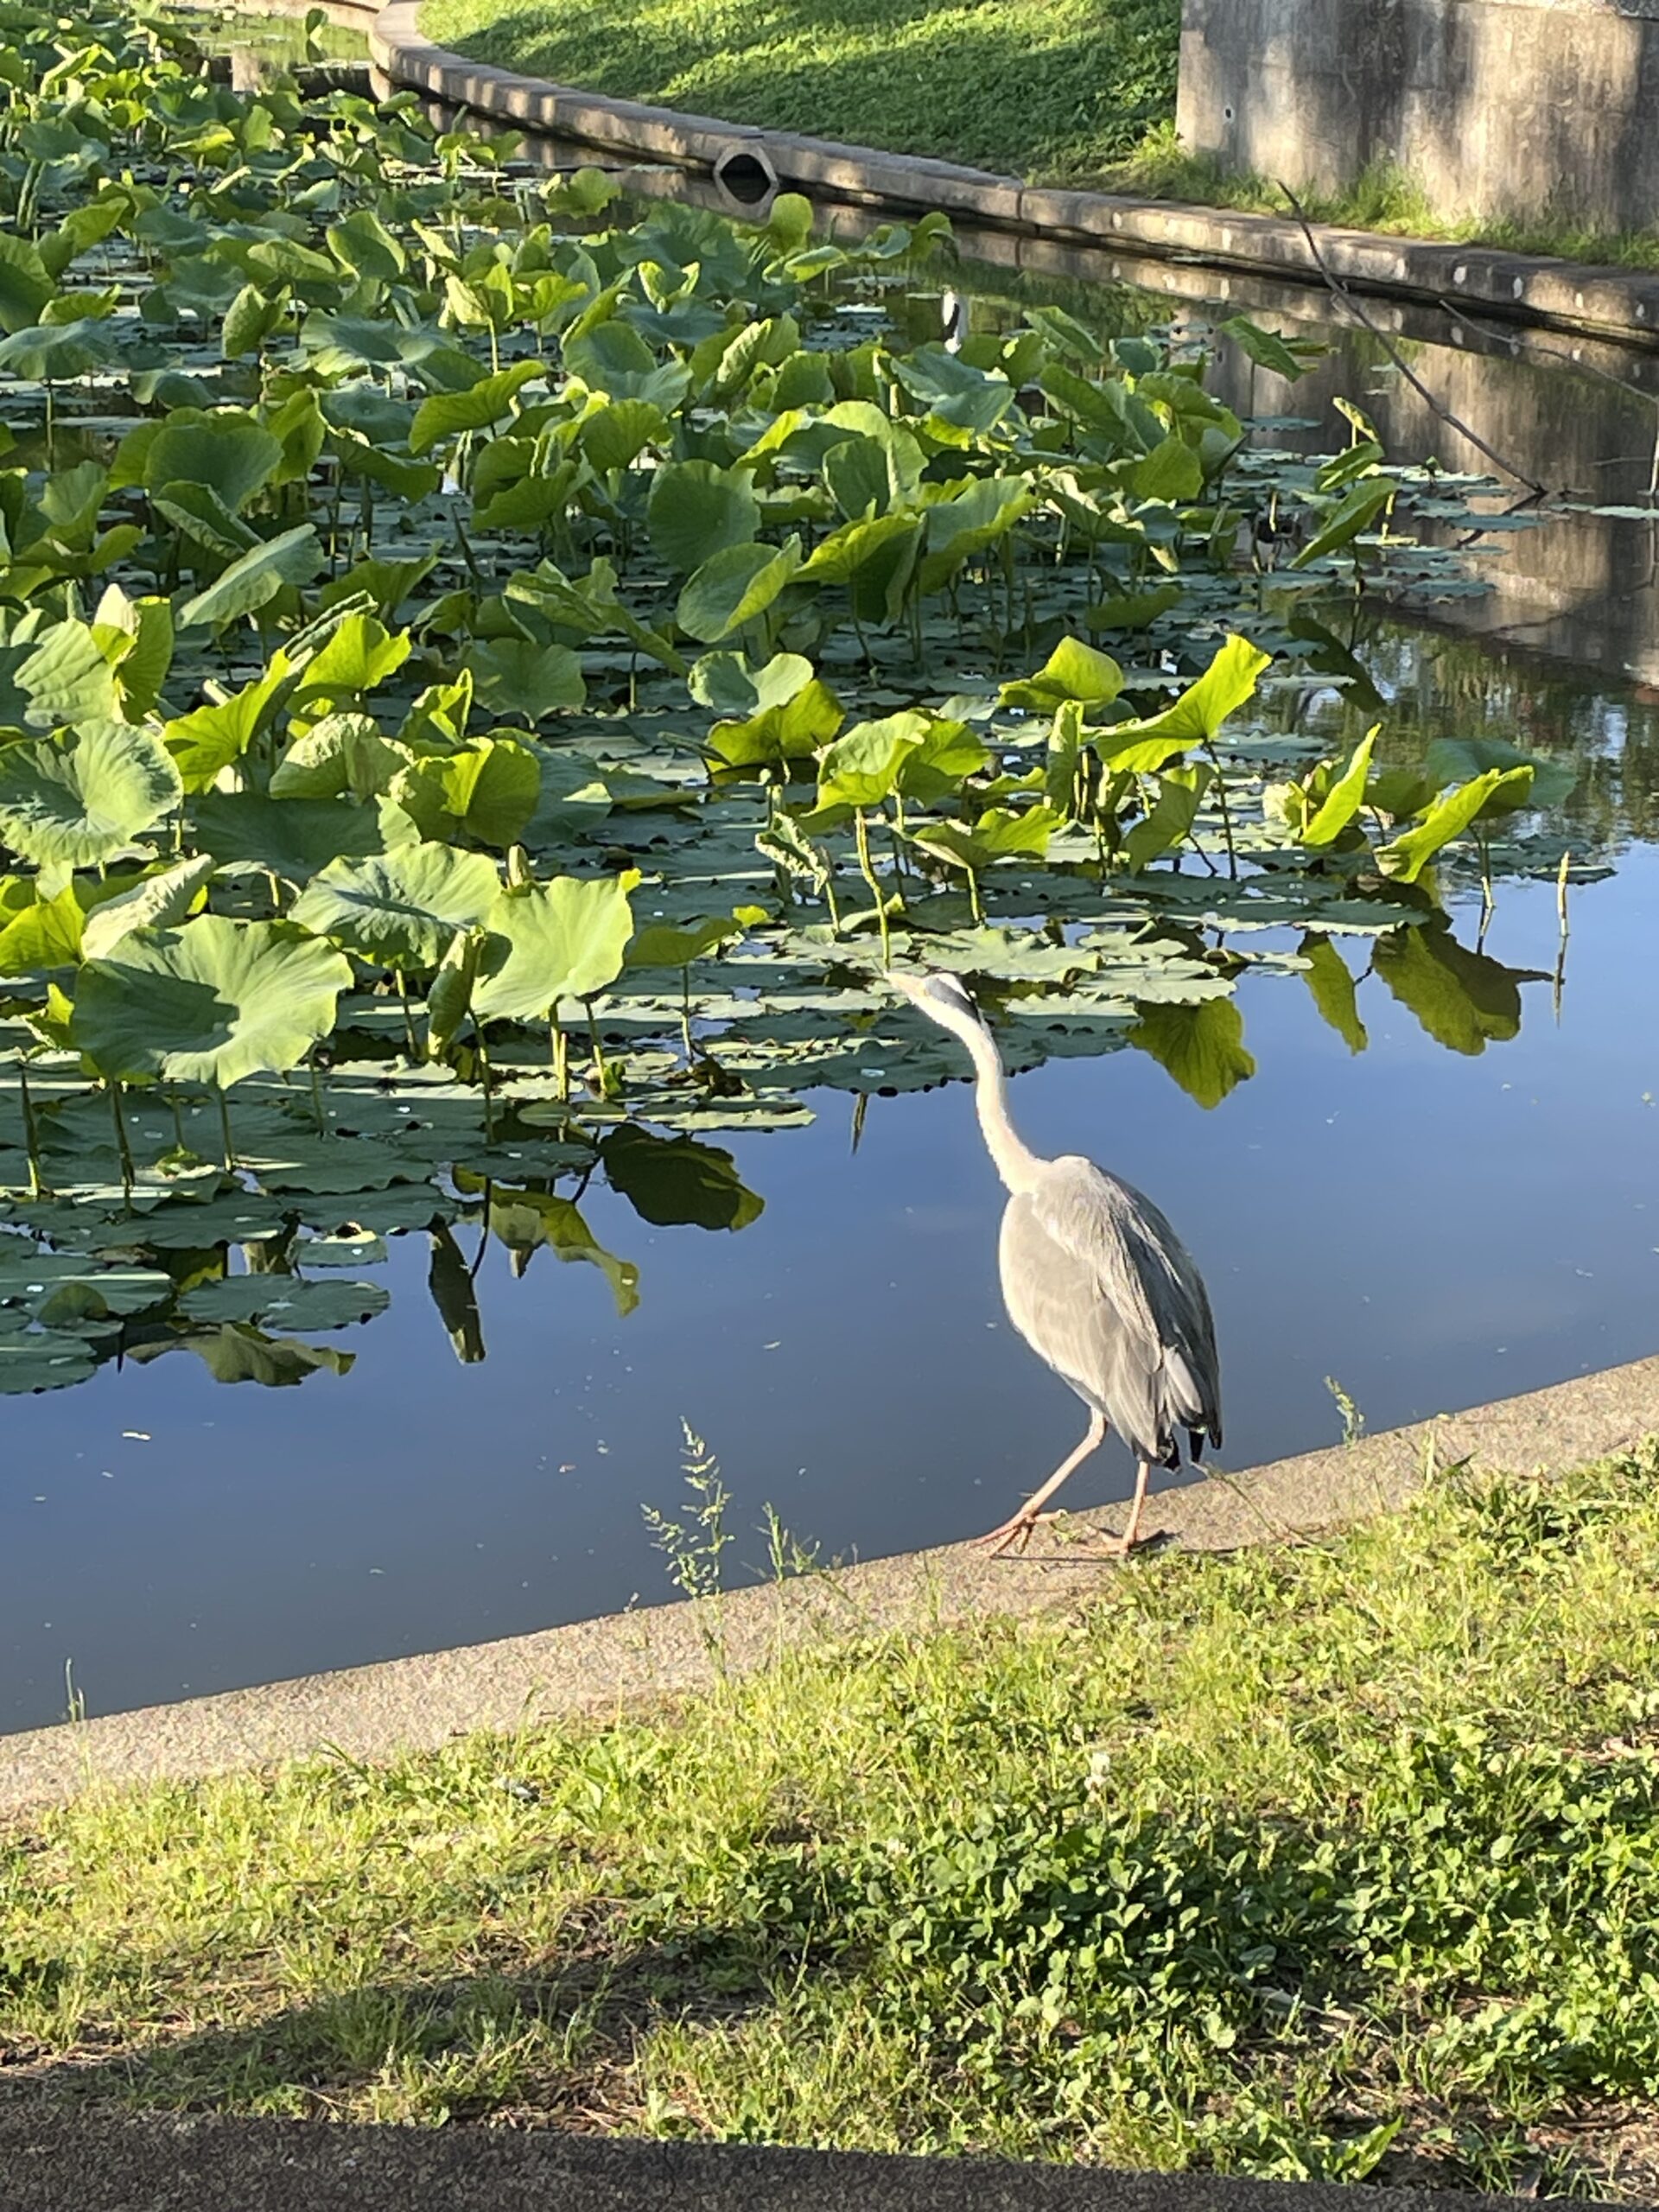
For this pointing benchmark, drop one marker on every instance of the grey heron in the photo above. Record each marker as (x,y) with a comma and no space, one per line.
(1096,1282)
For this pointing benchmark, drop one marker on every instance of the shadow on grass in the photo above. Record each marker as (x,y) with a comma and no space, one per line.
(542,2044)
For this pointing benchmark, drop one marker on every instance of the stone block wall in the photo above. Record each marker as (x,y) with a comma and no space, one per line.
(1519,108)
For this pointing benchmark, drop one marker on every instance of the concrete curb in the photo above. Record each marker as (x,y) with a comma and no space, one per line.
(88,2163)
(1525,287)
(600,1666)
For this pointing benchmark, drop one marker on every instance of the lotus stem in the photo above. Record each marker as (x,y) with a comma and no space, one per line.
(129,1173)
(866,868)
(408,1020)
(226,1138)
(31,1132)
(316,1100)
(1226,811)
(1487,898)
(601,1069)
(560,1048)
(685,1014)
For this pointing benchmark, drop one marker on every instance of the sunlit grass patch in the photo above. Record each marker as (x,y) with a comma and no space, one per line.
(1025,85)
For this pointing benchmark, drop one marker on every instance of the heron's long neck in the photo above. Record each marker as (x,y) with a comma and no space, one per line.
(1015,1163)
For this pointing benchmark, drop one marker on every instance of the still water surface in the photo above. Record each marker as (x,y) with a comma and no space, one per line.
(1429,1228)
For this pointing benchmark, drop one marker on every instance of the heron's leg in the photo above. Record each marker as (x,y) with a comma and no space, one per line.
(1017,1530)
(1131,1535)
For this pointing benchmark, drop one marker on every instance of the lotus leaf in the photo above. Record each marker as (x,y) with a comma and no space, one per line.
(252,580)
(279,1301)
(401,910)
(154,901)
(84,800)
(212,1001)
(550,941)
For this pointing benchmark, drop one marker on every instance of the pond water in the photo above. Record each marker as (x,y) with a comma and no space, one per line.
(1418,1225)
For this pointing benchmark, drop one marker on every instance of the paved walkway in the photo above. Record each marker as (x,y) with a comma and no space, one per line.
(296,2166)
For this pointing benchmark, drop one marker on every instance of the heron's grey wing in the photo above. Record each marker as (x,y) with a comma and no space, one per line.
(1100,1285)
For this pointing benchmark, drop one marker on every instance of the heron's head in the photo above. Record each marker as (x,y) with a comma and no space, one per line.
(942,997)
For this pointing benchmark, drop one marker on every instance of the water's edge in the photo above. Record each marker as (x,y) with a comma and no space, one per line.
(599,1666)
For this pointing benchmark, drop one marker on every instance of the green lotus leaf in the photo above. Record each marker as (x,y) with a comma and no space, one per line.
(662,944)
(550,941)
(87,799)
(487,789)
(733,588)
(861,768)
(27,285)
(1195,718)
(615,435)
(68,677)
(728,684)
(1499,791)
(229,454)
(292,837)
(46,934)
(342,756)
(1461,759)
(359,658)
(254,581)
(446,414)
(156,901)
(43,1359)
(515,676)
(278,1301)
(204,743)
(212,1001)
(55,353)
(403,909)
(1072,670)
(696,510)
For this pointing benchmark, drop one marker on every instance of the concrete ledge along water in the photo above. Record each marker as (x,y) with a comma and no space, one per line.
(593,1666)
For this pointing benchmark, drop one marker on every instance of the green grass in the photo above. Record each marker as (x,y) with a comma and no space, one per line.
(1051,87)
(1338,1859)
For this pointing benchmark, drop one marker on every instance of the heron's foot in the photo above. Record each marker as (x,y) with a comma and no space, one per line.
(1013,1535)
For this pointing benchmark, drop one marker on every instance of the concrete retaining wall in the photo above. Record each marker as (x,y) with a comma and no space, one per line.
(1518,108)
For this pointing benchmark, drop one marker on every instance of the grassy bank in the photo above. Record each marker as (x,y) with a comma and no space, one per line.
(1051,87)
(1338,1860)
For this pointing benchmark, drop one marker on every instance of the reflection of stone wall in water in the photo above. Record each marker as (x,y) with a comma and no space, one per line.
(1519,108)
(1579,587)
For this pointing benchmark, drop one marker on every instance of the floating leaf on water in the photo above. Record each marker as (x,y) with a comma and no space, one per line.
(284,1302)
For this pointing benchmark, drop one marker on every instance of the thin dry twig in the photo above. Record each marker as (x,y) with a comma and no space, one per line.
(1340,291)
